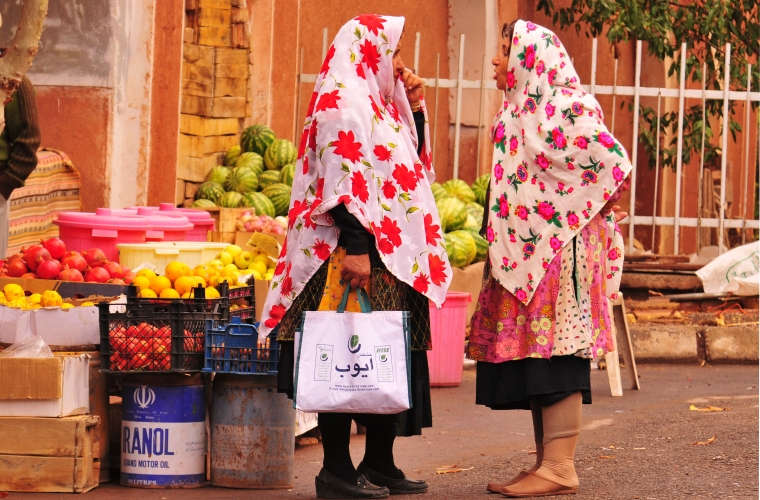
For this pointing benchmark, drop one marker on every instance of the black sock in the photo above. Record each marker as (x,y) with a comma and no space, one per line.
(336,436)
(378,453)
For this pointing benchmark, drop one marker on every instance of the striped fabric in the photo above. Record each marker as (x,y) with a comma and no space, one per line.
(53,187)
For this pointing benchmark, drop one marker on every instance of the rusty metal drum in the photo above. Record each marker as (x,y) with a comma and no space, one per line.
(252,433)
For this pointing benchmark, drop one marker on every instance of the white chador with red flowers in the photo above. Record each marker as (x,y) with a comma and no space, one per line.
(359,148)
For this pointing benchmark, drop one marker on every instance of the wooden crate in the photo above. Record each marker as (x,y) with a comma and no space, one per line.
(225,223)
(50,455)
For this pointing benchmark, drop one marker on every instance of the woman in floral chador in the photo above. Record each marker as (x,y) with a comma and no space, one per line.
(362,212)
(555,252)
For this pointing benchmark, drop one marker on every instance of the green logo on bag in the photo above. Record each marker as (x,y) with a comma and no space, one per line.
(353,344)
(324,356)
(383,358)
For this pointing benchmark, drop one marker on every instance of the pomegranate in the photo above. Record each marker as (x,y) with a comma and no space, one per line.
(70,275)
(97,275)
(75,261)
(34,255)
(70,253)
(55,246)
(117,281)
(94,257)
(114,269)
(49,270)
(128,276)
(16,267)
(28,276)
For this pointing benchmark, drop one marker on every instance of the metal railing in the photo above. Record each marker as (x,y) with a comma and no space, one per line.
(677,221)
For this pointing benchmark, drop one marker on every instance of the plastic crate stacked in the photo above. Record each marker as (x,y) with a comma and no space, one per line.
(235,348)
(158,335)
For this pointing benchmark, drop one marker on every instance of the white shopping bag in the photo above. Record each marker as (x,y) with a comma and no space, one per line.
(736,271)
(353,362)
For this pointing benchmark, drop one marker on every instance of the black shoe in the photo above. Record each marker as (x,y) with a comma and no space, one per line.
(331,486)
(404,486)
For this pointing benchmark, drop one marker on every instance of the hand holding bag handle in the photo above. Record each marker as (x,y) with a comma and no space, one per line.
(361,293)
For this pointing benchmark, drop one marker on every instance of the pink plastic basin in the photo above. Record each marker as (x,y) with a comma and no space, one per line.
(165,228)
(81,231)
(447,326)
(127,212)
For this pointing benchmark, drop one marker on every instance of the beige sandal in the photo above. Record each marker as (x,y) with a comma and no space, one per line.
(536,486)
(497,487)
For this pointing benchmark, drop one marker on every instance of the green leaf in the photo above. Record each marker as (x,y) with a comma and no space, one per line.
(391,145)
(306,252)
(353,56)
(382,35)
(340,85)
(412,210)
(415,267)
(345,167)
(385,207)
(388,52)
(405,196)
(366,163)
(357,32)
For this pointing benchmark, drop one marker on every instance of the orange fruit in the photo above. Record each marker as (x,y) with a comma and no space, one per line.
(184,284)
(159,284)
(174,270)
(169,293)
(147,294)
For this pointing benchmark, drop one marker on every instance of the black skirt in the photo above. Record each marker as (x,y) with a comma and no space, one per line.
(407,423)
(513,384)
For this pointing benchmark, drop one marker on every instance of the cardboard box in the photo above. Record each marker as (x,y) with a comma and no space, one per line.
(24,380)
(260,291)
(68,289)
(78,326)
(468,280)
(242,238)
(49,455)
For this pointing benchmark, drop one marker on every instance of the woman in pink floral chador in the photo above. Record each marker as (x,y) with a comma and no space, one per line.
(555,252)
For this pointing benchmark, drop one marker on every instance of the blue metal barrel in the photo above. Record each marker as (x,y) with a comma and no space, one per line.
(252,433)
(163,431)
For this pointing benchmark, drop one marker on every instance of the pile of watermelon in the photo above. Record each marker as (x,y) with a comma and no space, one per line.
(257,174)
(460,208)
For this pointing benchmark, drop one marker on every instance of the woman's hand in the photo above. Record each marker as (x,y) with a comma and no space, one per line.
(355,270)
(618,214)
(414,86)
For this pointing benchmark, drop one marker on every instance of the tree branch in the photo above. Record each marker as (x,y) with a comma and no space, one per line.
(18,57)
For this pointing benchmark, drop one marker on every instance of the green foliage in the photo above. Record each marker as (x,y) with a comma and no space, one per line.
(706,26)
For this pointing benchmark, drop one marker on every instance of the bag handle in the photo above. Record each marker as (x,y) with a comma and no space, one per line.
(361,293)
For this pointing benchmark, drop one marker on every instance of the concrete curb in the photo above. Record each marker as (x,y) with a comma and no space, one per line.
(695,343)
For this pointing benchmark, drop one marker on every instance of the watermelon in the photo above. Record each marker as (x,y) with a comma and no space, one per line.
(438,191)
(260,203)
(201,203)
(287,173)
(253,161)
(231,199)
(243,180)
(452,212)
(463,248)
(459,189)
(218,175)
(475,210)
(471,222)
(480,188)
(280,195)
(211,191)
(232,156)
(256,139)
(480,243)
(279,154)
(268,178)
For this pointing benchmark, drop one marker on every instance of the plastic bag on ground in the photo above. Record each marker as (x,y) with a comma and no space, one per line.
(30,347)
(736,271)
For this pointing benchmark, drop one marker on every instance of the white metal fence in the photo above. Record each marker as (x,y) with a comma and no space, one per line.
(677,221)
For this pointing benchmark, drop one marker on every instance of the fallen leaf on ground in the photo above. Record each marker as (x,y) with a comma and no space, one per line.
(639,448)
(709,408)
(531,452)
(450,470)
(606,456)
(709,441)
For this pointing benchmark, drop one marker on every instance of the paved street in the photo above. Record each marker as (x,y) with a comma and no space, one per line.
(638,446)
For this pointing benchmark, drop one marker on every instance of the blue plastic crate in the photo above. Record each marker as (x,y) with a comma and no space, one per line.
(235,348)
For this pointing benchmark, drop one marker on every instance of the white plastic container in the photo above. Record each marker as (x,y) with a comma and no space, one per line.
(160,254)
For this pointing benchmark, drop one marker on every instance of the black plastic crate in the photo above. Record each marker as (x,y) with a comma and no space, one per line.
(136,337)
(235,348)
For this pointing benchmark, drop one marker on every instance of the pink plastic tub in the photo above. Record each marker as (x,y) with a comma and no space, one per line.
(447,327)
(200,219)
(165,228)
(82,231)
